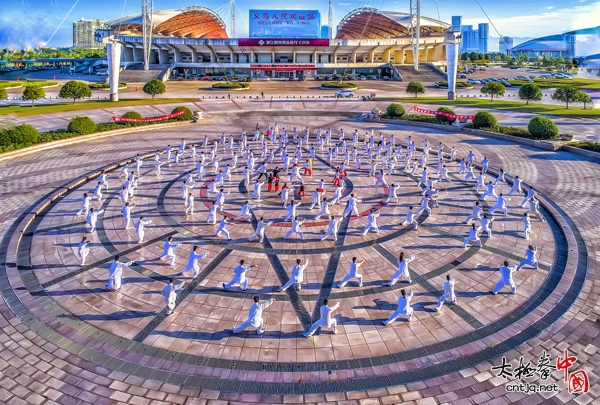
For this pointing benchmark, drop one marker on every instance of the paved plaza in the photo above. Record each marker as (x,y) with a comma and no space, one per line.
(66,339)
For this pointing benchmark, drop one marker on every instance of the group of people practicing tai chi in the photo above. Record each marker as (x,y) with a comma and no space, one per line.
(373,151)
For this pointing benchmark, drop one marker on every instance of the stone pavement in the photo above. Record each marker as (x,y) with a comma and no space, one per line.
(581,128)
(65,340)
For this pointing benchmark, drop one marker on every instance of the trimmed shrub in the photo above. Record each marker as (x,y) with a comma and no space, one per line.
(394,110)
(587,145)
(18,137)
(338,85)
(188,116)
(231,86)
(132,114)
(543,128)
(97,86)
(459,85)
(420,118)
(440,119)
(514,131)
(484,119)
(82,125)
(154,87)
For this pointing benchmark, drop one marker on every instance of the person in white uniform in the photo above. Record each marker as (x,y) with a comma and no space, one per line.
(139,228)
(92,218)
(333,228)
(169,293)
(260,230)
(296,224)
(490,191)
(239,276)
(353,273)
(486,224)
(246,213)
(410,219)
(257,188)
(526,225)
(169,250)
(505,279)
(325,321)
(392,193)
(372,222)
(297,276)
(404,308)
(255,318)
(223,228)
(85,205)
(474,231)
(291,210)
(189,204)
(212,214)
(352,206)
(530,258)
(116,274)
(192,264)
(83,250)
(324,208)
(402,269)
(126,211)
(500,205)
(475,215)
(448,295)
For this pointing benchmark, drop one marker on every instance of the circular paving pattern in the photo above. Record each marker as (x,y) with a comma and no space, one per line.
(194,347)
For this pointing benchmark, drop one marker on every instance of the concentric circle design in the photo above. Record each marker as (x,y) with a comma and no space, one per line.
(195,347)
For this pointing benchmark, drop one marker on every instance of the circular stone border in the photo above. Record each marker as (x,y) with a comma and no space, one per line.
(18,285)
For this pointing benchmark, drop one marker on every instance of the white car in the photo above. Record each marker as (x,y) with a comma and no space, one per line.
(266,78)
(344,93)
(473,81)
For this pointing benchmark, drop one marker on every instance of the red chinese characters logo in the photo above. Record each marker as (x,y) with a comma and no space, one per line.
(578,380)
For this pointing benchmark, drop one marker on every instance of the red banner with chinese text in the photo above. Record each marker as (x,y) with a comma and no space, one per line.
(149,119)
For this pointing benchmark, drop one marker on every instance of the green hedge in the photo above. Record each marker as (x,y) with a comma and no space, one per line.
(394,110)
(445,120)
(132,114)
(514,131)
(484,119)
(338,85)
(18,137)
(420,118)
(188,116)
(97,86)
(42,83)
(231,86)
(82,125)
(587,145)
(459,85)
(543,128)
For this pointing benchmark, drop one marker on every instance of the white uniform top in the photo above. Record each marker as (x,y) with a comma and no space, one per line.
(490,189)
(530,255)
(326,313)
(373,218)
(92,217)
(476,211)
(296,225)
(403,265)
(404,303)
(526,222)
(354,268)
(86,202)
(169,293)
(221,198)
(486,222)
(257,186)
(256,310)
(193,260)
(298,272)
(501,202)
(352,202)
(473,232)
(333,225)
(246,209)
(240,272)
(168,250)
(139,227)
(506,273)
(409,216)
(222,224)
(127,211)
(116,269)
(325,207)
(82,247)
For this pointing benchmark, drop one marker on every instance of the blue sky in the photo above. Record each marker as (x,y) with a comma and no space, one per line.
(30,23)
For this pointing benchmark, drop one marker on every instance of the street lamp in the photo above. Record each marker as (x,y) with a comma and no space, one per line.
(379,73)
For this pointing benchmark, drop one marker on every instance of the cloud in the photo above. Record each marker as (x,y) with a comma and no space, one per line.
(576,17)
(343,4)
(549,7)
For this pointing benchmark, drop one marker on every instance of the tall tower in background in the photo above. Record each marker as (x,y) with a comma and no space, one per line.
(484,36)
(84,33)
(330,21)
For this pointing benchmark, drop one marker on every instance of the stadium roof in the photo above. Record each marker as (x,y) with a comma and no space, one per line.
(370,23)
(555,42)
(191,22)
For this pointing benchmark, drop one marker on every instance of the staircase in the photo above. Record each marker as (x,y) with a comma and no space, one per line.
(137,74)
(426,73)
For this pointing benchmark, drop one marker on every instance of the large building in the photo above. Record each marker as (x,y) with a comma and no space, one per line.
(505,44)
(572,44)
(195,39)
(84,33)
(473,40)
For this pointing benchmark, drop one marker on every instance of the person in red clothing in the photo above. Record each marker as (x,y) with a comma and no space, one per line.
(301,192)
(338,177)
(270,182)
(307,169)
(276,183)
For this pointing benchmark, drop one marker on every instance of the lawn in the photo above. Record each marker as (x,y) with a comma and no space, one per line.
(87,105)
(42,83)
(589,84)
(520,106)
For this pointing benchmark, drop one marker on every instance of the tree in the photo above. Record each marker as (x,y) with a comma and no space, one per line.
(415,88)
(464,56)
(33,93)
(567,94)
(582,97)
(3,94)
(75,89)
(154,87)
(473,56)
(530,92)
(493,89)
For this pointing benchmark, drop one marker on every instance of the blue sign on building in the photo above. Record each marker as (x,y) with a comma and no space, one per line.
(285,24)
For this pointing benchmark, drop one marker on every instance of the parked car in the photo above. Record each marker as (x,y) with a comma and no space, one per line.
(344,93)
(266,78)
(473,81)
(362,78)
(505,83)
(461,76)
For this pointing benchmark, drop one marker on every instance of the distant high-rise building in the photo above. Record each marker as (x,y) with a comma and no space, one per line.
(472,40)
(84,33)
(484,35)
(324,31)
(505,43)
(456,23)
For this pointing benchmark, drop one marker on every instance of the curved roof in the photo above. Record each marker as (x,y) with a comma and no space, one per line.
(554,42)
(370,23)
(191,22)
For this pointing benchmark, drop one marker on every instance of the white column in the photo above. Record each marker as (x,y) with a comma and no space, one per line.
(452,43)
(113,53)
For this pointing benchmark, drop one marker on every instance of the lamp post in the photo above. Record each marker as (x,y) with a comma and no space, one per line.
(379,74)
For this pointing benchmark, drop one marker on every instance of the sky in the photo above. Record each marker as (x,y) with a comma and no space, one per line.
(32,23)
